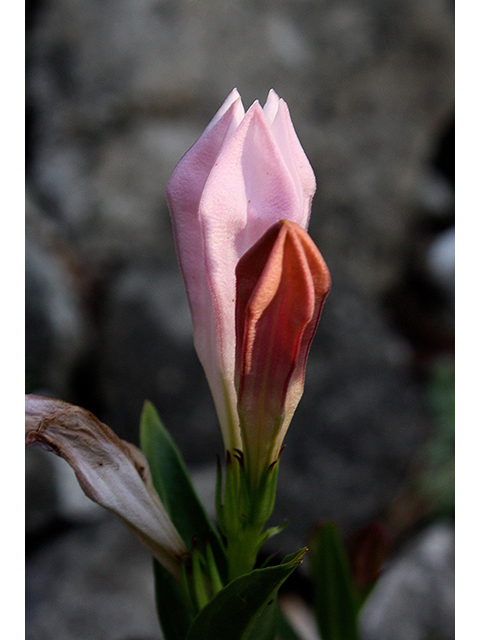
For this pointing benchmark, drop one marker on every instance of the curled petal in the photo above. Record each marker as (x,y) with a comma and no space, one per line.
(282,283)
(111,471)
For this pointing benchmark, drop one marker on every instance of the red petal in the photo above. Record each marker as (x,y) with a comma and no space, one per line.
(282,282)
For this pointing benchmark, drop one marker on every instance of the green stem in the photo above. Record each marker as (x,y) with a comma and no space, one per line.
(244,511)
(242,552)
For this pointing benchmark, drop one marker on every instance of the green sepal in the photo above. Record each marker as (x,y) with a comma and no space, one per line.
(246,608)
(212,570)
(336,601)
(173,485)
(244,512)
(272,531)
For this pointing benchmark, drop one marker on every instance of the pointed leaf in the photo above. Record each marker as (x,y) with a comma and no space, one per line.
(235,610)
(265,627)
(173,613)
(335,598)
(173,484)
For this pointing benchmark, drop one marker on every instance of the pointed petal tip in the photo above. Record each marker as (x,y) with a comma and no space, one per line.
(233,105)
(273,96)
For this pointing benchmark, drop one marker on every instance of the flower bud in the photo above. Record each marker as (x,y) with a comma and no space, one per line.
(246,172)
(281,283)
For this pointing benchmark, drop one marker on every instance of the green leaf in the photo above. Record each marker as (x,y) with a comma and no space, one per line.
(335,597)
(265,627)
(246,608)
(173,484)
(173,612)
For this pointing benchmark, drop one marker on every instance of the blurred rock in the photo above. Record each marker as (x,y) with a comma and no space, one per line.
(146,329)
(41,504)
(356,428)
(57,331)
(92,582)
(53,497)
(435,195)
(440,261)
(415,598)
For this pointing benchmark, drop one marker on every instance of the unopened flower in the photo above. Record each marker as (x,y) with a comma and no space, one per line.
(111,471)
(282,283)
(245,173)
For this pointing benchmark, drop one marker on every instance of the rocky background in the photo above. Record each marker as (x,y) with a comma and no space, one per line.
(117,91)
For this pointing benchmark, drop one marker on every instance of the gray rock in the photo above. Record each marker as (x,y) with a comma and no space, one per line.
(41,503)
(92,582)
(53,497)
(147,328)
(415,597)
(57,328)
(356,428)
(440,262)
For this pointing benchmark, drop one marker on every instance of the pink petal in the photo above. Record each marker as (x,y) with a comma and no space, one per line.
(184,192)
(293,153)
(248,189)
